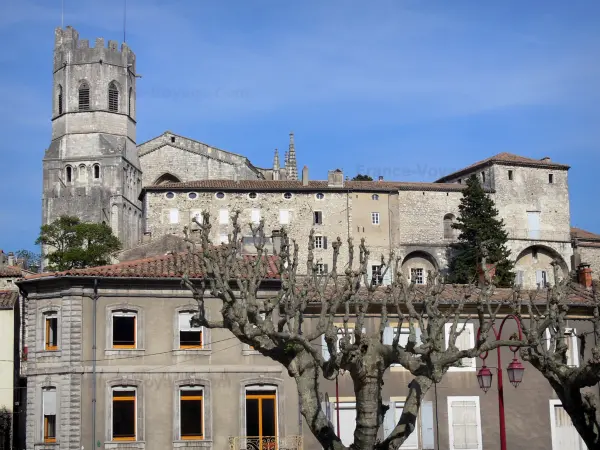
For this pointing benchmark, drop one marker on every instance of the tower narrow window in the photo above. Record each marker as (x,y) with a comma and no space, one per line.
(130,101)
(69,174)
(60,100)
(84,97)
(96,171)
(113,97)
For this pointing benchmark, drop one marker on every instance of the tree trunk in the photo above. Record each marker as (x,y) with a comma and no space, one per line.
(583,412)
(369,414)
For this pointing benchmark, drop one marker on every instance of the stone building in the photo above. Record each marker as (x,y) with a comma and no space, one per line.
(115,364)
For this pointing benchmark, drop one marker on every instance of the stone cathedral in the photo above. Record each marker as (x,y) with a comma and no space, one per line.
(94,169)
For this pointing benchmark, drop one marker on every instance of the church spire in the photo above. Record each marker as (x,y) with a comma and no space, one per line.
(276,165)
(292,166)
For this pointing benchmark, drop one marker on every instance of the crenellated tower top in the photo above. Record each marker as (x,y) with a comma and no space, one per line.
(68,48)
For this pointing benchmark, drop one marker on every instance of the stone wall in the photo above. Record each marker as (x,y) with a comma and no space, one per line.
(591,255)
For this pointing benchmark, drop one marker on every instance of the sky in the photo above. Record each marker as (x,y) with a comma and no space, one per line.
(411,89)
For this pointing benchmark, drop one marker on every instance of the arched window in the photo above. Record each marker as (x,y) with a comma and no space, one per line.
(130,101)
(60,99)
(167,178)
(113,97)
(82,173)
(84,97)
(375,197)
(69,174)
(96,171)
(448,230)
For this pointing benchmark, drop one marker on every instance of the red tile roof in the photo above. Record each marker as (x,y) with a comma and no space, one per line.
(583,234)
(506,159)
(10,271)
(8,299)
(296,185)
(164,266)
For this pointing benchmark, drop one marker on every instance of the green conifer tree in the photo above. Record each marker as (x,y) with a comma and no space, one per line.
(479,227)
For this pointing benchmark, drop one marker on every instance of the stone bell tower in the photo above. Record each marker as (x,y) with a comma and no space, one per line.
(91,168)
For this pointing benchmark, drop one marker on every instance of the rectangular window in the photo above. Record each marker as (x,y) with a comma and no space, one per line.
(51,327)
(321,269)
(191,413)
(174,215)
(564,433)
(550,178)
(464,422)
(459,181)
(375,218)
(340,335)
(49,413)
(124,420)
(376,276)
(318,241)
(318,218)
(510,175)
(464,341)
(483,177)
(124,331)
(189,337)
(261,418)
(223,217)
(417,275)
(347,412)
(541,278)
(284,217)
(533,224)
(570,339)
(255,216)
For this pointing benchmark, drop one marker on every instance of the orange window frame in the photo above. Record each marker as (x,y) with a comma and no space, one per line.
(49,439)
(130,398)
(48,320)
(260,398)
(192,398)
(192,346)
(127,346)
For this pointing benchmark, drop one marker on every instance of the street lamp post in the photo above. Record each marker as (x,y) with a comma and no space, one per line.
(515,372)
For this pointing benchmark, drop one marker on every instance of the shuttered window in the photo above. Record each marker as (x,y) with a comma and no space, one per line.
(223,216)
(84,97)
(51,331)
(464,341)
(189,337)
(49,412)
(464,423)
(113,97)
(174,215)
(284,217)
(392,417)
(255,217)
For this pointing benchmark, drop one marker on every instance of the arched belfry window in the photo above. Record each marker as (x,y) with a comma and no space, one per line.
(60,99)
(113,97)
(69,174)
(448,230)
(84,97)
(96,171)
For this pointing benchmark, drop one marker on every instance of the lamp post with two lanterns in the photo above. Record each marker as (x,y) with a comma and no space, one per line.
(515,374)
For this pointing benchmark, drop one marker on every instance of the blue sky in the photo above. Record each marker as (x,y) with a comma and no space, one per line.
(412,87)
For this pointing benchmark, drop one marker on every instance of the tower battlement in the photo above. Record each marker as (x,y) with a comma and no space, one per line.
(68,48)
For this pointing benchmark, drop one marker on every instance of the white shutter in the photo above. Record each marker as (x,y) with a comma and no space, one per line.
(255,216)
(223,216)
(284,217)
(540,277)
(389,422)
(427,423)
(388,335)
(174,215)
(465,433)
(573,351)
(324,349)
(387,278)
(564,433)
(519,278)
(463,342)
(184,322)
(49,402)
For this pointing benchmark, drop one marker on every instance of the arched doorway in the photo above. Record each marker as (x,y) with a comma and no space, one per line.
(533,267)
(417,264)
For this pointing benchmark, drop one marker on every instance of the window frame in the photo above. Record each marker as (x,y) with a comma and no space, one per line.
(287,195)
(173,216)
(96,169)
(190,388)
(375,197)
(173,195)
(220,193)
(510,175)
(69,174)
(267,387)
(571,334)
(320,196)
(550,178)
(471,327)
(128,310)
(81,104)
(47,316)
(136,400)
(375,218)
(423,275)
(255,216)
(179,330)
(452,399)
(45,438)
(287,214)
(223,216)
(113,103)
(252,195)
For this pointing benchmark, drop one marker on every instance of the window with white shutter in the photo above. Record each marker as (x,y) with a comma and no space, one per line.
(49,414)
(572,347)
(464,341)
(347,413)
(189,337)
(392,417)
(390,331)
(464,423)
(284,217)
(223,217)
(174,215)
(256,216)
(564,433)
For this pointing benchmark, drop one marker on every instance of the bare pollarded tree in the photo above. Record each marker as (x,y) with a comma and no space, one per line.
(275,323)
(545,327)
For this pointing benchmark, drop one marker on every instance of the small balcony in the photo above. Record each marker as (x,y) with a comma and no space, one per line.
(265,443)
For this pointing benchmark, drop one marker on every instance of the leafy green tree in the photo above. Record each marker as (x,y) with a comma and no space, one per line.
(73,244)
(32,260)
(361,177)
(481,230)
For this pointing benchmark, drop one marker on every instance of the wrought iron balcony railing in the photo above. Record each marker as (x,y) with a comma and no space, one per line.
(265,443)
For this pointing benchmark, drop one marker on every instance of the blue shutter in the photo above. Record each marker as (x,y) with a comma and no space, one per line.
(427,433)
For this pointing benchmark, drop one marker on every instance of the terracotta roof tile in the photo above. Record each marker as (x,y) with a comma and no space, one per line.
(313,186)
(583,234)
(163,266)
(508,159)
(10,271)
(8,299)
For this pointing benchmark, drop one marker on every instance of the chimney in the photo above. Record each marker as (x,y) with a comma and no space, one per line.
(584,275)
(380,177)
(11,259)
(305,176)
(335,178)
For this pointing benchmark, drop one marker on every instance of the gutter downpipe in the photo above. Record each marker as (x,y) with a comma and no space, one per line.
(95,300)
